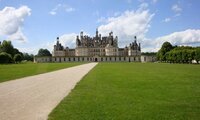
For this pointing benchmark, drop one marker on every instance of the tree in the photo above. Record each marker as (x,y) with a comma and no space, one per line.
(183,54)
(43,52)
(7,47)
(18,58)
(197,54)
(166,47)
(191,55)
(9,53)
(149,53)
(28,57)
(16,51)
(5,58)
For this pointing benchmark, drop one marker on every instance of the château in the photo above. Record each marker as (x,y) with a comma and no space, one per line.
(95,49)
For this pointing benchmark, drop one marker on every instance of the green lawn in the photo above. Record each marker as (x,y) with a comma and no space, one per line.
(134,91)
(14,71)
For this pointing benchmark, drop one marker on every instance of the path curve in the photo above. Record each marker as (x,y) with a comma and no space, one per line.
(34,97)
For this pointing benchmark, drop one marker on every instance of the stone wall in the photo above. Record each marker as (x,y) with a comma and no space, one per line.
(88,59)
(145,58)
(59,53)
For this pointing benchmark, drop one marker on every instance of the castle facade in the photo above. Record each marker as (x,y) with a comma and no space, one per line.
(95,49)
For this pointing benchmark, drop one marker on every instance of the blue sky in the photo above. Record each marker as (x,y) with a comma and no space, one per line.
(36,24)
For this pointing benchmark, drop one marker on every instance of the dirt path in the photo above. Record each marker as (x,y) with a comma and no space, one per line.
(33,98)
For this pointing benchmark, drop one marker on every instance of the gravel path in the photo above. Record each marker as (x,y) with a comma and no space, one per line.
(33,98)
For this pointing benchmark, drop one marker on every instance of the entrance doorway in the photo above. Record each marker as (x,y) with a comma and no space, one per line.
(95,60)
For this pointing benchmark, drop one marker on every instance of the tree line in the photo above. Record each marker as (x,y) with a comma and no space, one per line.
(178,54)
(9,54)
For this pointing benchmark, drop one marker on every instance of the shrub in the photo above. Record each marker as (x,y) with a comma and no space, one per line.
(18,58)
(5,58)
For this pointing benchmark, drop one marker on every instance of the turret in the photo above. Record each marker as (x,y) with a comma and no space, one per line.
(77,37)
(77,41)
(111,34)
(139,48)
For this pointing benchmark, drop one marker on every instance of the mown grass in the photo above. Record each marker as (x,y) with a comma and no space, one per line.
(14,71)
(134,91)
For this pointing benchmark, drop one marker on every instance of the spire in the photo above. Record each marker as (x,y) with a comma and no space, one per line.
(97,32)
(57,40)
(81,34)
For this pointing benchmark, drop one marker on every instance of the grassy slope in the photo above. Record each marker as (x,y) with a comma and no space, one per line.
(127,91)
(14,71)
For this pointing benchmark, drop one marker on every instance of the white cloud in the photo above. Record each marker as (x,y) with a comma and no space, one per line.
(18,36)
(167,20)
(11,22)
(52,12)
(176,8)
(128,24)
(61,7)
(30,50)
(190,37)
(187,37)
(68,40)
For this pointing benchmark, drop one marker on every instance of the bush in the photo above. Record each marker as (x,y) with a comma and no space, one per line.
(18,58)
(5,58)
